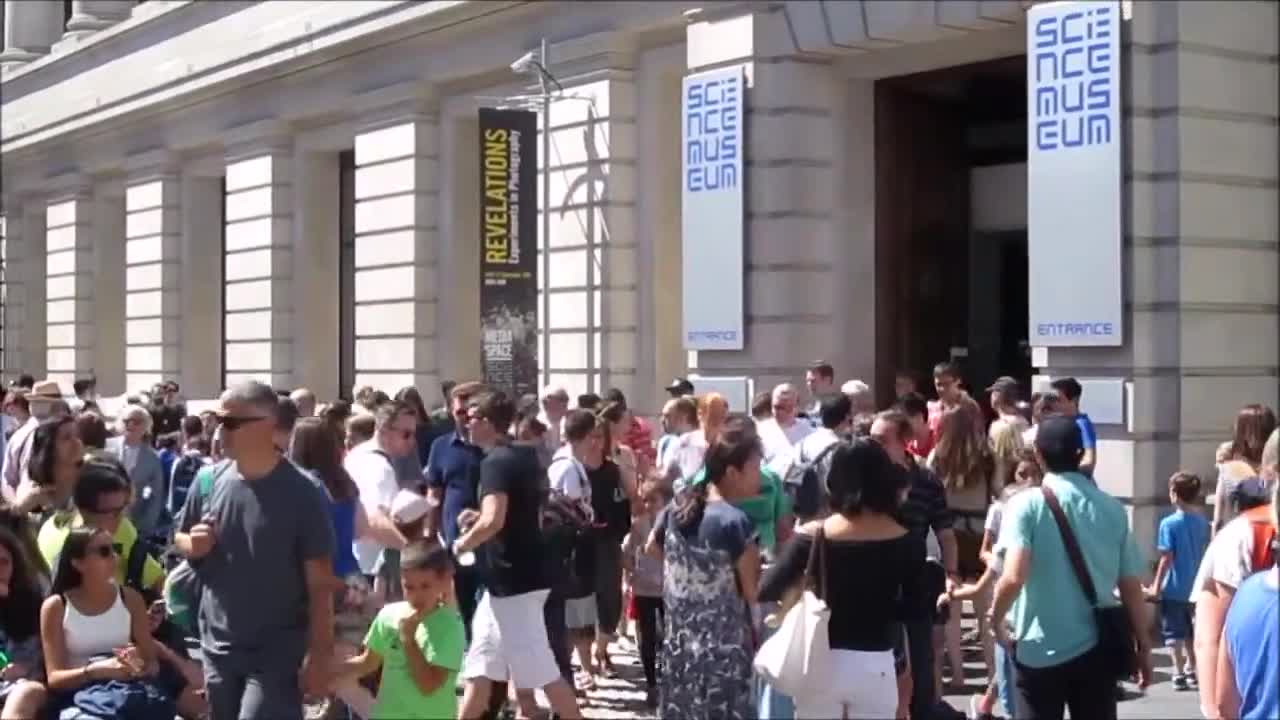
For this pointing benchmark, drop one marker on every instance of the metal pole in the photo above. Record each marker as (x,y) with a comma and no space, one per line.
(546,213)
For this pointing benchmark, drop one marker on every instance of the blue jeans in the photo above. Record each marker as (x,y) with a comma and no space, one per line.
(771,703)
(1005,675)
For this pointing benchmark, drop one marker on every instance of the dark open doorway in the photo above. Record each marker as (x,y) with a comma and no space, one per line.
(945,287)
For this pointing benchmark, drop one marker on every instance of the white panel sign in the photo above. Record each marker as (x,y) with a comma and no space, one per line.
(711,185)
(1073,173)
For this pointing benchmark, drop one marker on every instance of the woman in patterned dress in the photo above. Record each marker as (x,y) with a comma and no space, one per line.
(712,562)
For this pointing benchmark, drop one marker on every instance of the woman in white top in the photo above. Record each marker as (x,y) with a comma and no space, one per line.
(92,630)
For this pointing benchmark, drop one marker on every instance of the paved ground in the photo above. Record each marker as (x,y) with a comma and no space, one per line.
(623,697)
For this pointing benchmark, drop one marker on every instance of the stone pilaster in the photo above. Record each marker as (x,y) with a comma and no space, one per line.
(1202,310)
(790,285)
(153,233)
(257,297)
(69,322)
(396,237)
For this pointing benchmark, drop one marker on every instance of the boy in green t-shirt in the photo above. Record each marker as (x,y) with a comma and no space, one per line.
(418,643)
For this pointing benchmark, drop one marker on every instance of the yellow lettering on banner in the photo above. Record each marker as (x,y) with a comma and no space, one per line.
(497,216)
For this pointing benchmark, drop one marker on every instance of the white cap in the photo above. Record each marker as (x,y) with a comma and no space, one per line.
(407,507)
(854,387)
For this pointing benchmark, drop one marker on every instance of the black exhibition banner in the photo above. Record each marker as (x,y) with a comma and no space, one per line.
(509,243)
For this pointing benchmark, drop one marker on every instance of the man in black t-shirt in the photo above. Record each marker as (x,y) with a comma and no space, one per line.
(508,634)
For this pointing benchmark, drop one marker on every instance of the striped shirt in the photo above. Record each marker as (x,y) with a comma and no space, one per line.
(925,508)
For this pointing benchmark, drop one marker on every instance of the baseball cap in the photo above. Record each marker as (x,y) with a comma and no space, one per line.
(408,506)
(1058,436)
(680,385)
(1252,491)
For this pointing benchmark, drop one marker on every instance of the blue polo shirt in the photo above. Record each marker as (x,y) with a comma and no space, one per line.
(1052,621)
(454,466)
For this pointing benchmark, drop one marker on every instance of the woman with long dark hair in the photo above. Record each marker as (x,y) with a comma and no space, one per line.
(963,461)
(21,692)
(92,630)
(1242,459)
(869,570)
(19,525)
(56,453)
(712,563)
(317,449)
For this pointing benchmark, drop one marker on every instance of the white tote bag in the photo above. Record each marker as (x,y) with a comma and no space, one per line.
(797,657)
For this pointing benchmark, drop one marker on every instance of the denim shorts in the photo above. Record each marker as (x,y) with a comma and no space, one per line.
(1175,620)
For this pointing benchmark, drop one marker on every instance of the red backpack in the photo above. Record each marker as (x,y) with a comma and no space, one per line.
(1263,554)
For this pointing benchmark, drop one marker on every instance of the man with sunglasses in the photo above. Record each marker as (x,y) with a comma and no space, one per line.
(260,541)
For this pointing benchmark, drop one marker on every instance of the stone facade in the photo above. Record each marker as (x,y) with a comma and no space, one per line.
(213,186)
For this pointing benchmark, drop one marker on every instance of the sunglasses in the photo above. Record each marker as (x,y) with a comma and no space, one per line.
(103,551)
(234,422)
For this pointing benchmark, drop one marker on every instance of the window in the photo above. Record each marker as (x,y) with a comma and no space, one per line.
(346,273)
(222,283)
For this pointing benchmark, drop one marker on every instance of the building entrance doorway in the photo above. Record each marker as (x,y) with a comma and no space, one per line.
(951,248)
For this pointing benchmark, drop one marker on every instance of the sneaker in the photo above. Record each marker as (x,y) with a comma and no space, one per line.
(1180,682)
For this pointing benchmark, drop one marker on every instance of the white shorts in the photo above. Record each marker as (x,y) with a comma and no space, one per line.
(863,685)
(509,638)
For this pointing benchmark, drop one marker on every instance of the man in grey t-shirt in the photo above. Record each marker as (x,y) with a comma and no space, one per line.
(262,544)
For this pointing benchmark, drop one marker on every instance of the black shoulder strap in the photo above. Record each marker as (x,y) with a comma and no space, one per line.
(825,452)
(133,567)
(1073,548)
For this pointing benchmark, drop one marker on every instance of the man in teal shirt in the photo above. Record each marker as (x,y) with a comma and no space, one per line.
(1050,620)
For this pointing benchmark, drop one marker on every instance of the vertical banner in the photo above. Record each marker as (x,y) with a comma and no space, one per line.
(509,243)
(711,213)
(1073,173)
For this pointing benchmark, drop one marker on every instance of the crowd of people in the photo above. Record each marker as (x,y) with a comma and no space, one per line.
(280,558)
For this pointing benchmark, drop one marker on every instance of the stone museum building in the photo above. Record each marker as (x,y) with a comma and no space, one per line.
(208,191)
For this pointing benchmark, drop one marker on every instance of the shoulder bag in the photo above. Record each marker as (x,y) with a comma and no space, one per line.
(797,658)
(1117,648)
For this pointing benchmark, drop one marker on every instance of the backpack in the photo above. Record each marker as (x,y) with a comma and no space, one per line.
(183,588)
(808,493)
(1264,553)
(184,473)
(567,530)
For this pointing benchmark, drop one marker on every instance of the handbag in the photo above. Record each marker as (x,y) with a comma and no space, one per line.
(1117,648)
(797,658)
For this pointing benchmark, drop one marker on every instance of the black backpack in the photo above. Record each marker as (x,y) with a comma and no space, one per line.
(568,533)
(807,497)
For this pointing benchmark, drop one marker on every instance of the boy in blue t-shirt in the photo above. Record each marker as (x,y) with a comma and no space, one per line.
(1181,540)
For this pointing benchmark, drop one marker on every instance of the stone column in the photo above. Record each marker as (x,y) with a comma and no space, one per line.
(90,16)
(69,323)
(396,235)
(259,259)
(1202,310)
(30,30)
(790,239)
(152,279)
